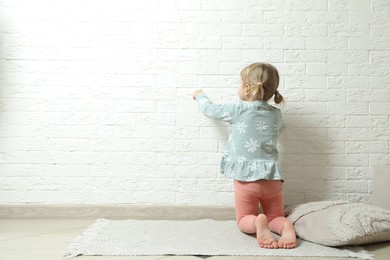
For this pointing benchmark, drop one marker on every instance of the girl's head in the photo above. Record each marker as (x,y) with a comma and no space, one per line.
(260,81)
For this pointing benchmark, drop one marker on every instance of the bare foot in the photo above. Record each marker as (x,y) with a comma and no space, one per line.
(263,234)
(288,239)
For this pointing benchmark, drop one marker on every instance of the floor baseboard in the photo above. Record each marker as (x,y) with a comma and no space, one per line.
(34,211)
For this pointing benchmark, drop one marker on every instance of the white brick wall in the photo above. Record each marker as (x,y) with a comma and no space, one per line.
(95,96)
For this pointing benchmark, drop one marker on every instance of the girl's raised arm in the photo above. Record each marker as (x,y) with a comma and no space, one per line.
(224,112)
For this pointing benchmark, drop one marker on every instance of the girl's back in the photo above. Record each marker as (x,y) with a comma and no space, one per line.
(257,123)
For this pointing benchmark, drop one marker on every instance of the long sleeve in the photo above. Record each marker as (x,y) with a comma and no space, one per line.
(224,112)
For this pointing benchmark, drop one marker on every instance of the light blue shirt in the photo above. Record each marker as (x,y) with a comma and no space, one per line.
(251,152)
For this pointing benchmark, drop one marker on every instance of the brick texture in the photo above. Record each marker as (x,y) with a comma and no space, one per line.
(96,108)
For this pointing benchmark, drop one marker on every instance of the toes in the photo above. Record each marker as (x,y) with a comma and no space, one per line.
(273,245)
(263,246)
(287,245)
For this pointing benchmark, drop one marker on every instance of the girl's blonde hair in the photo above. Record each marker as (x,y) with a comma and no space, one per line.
(263,81)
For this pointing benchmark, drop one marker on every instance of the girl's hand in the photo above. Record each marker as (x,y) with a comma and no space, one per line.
(196,93)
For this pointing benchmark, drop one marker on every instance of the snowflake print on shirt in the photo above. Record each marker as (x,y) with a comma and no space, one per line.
(241,159)
(241,127)
(230,173)
(269,146)
(253,166)
(226,117)
(251,145)
(261,126)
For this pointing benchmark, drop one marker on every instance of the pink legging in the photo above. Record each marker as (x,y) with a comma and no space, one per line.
(248,195)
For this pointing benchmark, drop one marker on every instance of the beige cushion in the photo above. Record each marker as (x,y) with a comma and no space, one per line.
(338,223)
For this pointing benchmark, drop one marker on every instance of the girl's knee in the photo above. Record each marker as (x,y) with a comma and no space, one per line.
(246,224)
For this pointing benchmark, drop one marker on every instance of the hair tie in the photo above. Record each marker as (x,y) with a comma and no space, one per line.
(259,84)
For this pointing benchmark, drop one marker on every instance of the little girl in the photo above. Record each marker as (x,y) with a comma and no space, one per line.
(251,156)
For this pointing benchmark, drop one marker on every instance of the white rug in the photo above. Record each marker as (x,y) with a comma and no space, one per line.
(197,237)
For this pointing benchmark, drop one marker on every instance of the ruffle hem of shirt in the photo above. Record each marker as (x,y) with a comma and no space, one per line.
(251,170)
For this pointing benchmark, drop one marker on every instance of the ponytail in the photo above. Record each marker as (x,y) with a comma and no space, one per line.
(278,98)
